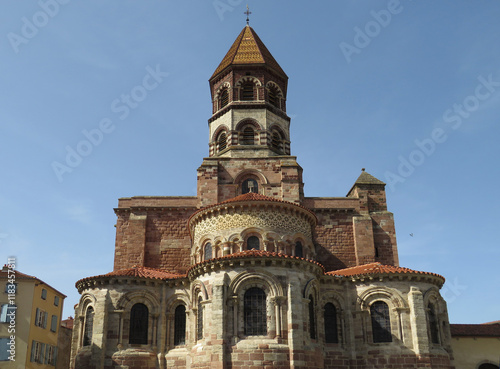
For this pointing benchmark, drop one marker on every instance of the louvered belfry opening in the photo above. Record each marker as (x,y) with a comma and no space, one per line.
(276,141)
(247,93)
(273,96)
(222,141)
(224,98)
(248,136)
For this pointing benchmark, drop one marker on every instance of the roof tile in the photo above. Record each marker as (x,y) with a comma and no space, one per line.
(377,268)
(248,49)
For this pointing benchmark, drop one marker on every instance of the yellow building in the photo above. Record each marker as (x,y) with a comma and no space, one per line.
(30,318)
(476,346)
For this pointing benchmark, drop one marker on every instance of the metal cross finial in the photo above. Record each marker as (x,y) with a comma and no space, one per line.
(248,12)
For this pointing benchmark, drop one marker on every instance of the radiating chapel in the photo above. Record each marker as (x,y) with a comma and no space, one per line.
(251,273)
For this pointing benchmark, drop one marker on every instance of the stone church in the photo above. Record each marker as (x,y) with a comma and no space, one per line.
(251,273)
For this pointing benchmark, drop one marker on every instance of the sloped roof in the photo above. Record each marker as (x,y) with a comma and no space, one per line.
(248,49)
(255,254)
(378,268)
(475,330)
(138,272)
(367,178)
(20,276)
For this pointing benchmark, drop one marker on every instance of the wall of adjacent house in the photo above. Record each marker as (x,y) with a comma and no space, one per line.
(470,352)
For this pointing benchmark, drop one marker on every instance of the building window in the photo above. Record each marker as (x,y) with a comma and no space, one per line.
(299,250)
(44,294)
(41,318)
(247,91)
(207,251)
(88,327)
(276,141)
(224,98)
(381,323)
(312,319)
(221,141)
(330,319)
(273,96)
(248,136)
(53,323)
(4,349)
(180,325)
(200,320)
(139,315)
(42,353)
(7,312)
(254,311)
(433,324)
(488,366)
(56,300)
(249,185)
(253,242)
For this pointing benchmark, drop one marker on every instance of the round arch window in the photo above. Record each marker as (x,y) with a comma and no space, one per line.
(253,242)
(249,185)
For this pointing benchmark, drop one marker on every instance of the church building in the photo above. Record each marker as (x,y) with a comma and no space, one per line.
(251,273)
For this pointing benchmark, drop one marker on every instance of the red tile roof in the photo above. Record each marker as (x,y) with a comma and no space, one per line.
(18,275)
(378,268)
(475,330)
(138,272)
(255,253)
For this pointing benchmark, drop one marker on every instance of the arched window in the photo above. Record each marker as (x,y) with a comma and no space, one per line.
(222,141)
(89,326)
(247,91)
(249,185)
(488,366)
(253,242)
(273,96)
(433,324)
(207,251)
(248,136)
(299,251)
(330,319)
(180,325)
(276,141)
(312,320)
(199,320)
(381,323)
(224,98)
(254,310)
(138,333)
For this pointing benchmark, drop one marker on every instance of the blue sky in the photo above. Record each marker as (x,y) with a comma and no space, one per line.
(409,90)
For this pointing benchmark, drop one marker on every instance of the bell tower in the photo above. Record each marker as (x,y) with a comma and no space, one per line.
(249,131)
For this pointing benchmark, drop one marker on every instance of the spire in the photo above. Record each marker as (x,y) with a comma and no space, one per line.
(248,49)
(248,12)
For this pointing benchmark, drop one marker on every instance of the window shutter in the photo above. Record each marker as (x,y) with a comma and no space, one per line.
(55,356)
(37,317)
(42,353)
(53,323)
(32,351)
(45,320)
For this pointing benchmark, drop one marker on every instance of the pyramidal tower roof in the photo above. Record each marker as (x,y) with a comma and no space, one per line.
(248,49)
(366,178)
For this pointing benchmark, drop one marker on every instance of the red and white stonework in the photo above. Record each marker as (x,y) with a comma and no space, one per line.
(250,273)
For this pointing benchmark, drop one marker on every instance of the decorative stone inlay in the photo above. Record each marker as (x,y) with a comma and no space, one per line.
(261,218)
